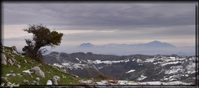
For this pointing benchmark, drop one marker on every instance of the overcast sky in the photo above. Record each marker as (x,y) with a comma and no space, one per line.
(103,23)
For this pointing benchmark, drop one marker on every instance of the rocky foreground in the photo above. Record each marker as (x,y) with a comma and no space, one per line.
(19,70)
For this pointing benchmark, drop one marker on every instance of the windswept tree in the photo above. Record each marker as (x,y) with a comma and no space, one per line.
(42,36)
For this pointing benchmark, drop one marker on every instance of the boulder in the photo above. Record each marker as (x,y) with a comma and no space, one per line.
(4,59)
(56,80)
(49,82)
(38,71)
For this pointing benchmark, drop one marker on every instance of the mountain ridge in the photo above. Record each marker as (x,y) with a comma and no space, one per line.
(152,43)
(132,67)
(149,48)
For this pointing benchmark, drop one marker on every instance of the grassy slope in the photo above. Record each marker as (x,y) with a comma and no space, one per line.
(66,79)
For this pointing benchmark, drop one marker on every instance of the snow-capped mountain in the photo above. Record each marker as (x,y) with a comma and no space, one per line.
(138,68)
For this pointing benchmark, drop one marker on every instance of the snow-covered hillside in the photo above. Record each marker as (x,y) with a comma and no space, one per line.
(132,69)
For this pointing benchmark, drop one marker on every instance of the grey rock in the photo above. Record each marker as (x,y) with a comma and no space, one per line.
(11,74)
(19,74)
(56,80)
(4,79)
(38,79)
(35,82)
(26,82)
(38,71)
(9,84)
(12,55)
(10,62)
(49,82)
(25,61)
(4,59)
(19,66)
(14,50)
(2,84)
(27,73)
(14,61)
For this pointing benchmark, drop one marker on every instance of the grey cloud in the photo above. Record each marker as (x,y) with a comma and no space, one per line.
(100,14)
(158,20)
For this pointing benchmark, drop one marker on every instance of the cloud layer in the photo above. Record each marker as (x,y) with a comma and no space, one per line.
(100,14)
(103,23)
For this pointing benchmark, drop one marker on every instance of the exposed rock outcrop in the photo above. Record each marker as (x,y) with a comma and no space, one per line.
(4,59)
(10,62)
(14,50)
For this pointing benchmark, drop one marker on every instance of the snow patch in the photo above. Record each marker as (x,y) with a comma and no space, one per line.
(57,65)
(124,82)
(130,71)
(190,68)
(142,77)
(103,82)
(169,63)
(174,70)
(150,60)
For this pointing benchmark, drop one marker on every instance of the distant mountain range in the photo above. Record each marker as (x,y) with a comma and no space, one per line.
(150,48)
(153,61)
(153,44)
